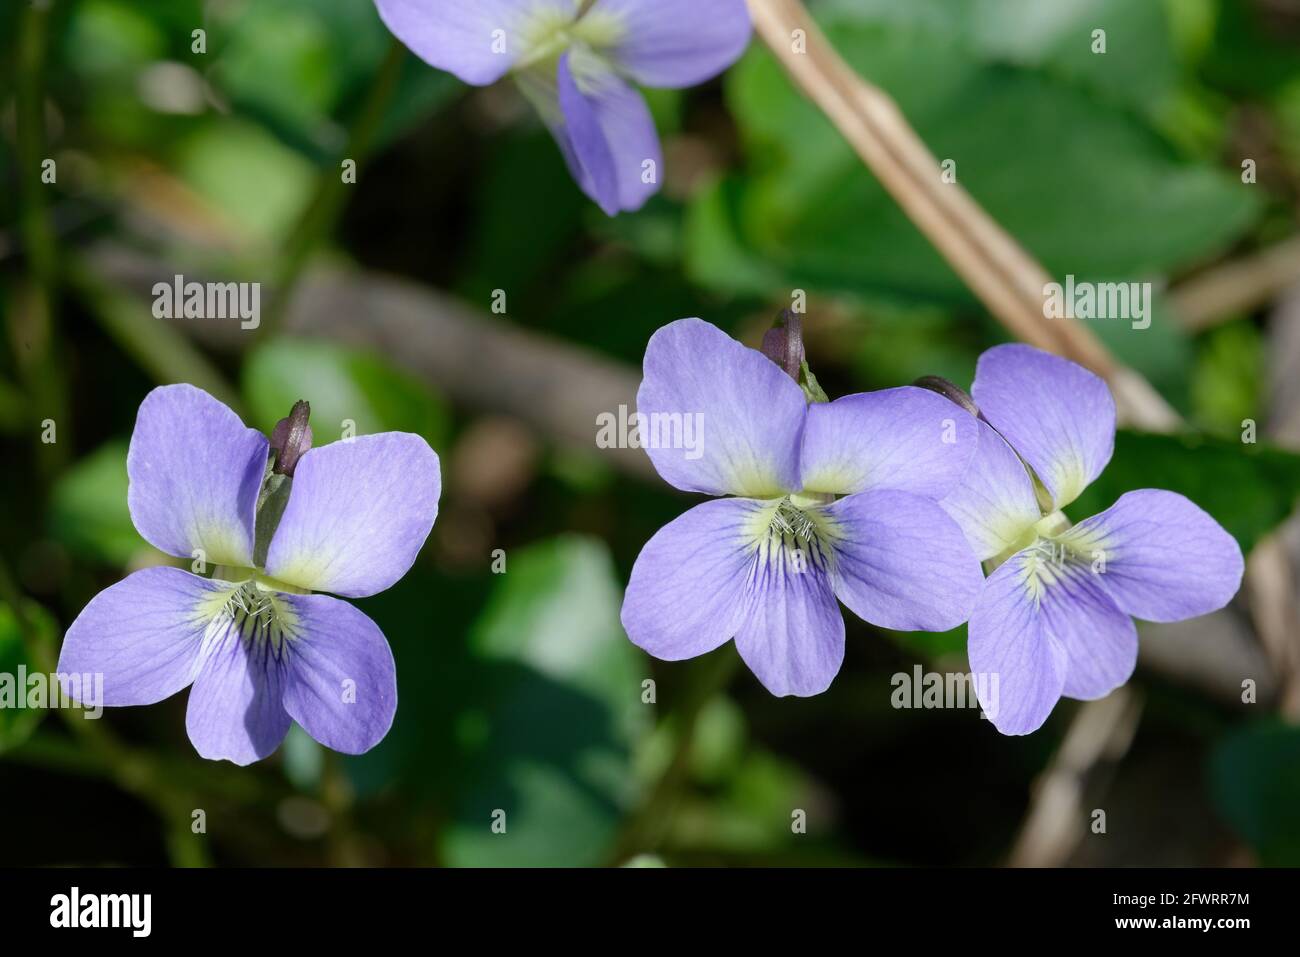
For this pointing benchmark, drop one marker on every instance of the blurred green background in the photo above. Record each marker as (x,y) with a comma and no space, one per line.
(519,691)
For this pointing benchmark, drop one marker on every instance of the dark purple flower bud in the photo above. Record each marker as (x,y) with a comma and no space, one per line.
(951,392)
(783,343)
(291,438)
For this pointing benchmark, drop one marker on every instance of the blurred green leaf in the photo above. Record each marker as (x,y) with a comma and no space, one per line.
(88,508)
(553,733)
(255,182)
(425,617)
(753,812)
(304,759)
(721,735)
(110,45)
(1027,144)
(899,345)
(303,69)
(17,721)
(13,404)
(523,181)
(112,38)
(1254,49)
(342,385)
(1226,385)
(276,62)
(1255,781)
(716,254)
(1249,489)
(1138,67)
(932,644)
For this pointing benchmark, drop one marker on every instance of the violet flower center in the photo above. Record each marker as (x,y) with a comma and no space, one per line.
(548,33)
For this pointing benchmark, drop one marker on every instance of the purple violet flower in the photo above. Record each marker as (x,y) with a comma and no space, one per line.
(258,647)
(576,61)
(829,500)
(1053,618)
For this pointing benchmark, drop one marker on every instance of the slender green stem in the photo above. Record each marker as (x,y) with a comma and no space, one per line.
(337,796)
(38,237)
(318,219)
(35,339)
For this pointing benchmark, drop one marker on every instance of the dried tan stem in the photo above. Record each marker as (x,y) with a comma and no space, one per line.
(1099,735)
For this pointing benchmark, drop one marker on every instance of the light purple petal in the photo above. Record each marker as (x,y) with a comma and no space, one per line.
(1165,558)
(1014,658)
(676,43)
(908,439)
(195,471)
(994,503)
(1100,641)
(1042,628)
(235,711)
(466,37)
(608,137)
(358,512)
(744,414)
(900,562)
(340,682)
(687,593)
(793,638)
(143,634)
(1056,414)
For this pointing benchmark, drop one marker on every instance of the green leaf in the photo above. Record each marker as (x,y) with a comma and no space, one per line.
(1255,781)
(343,386)
(1248,488)
(110,39)
(902,345)
(716,254)
(17,721)
(1250,57)
(1028,145)
(304,69)
(551,739)
(932,644)
(256,182)
(1138,67)
(524,180)
(1227,385)
(88,509)
(276,62)
(304,759)
(751,813)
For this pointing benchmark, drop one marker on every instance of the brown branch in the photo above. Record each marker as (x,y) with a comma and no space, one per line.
(557,388)
(1237,286)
